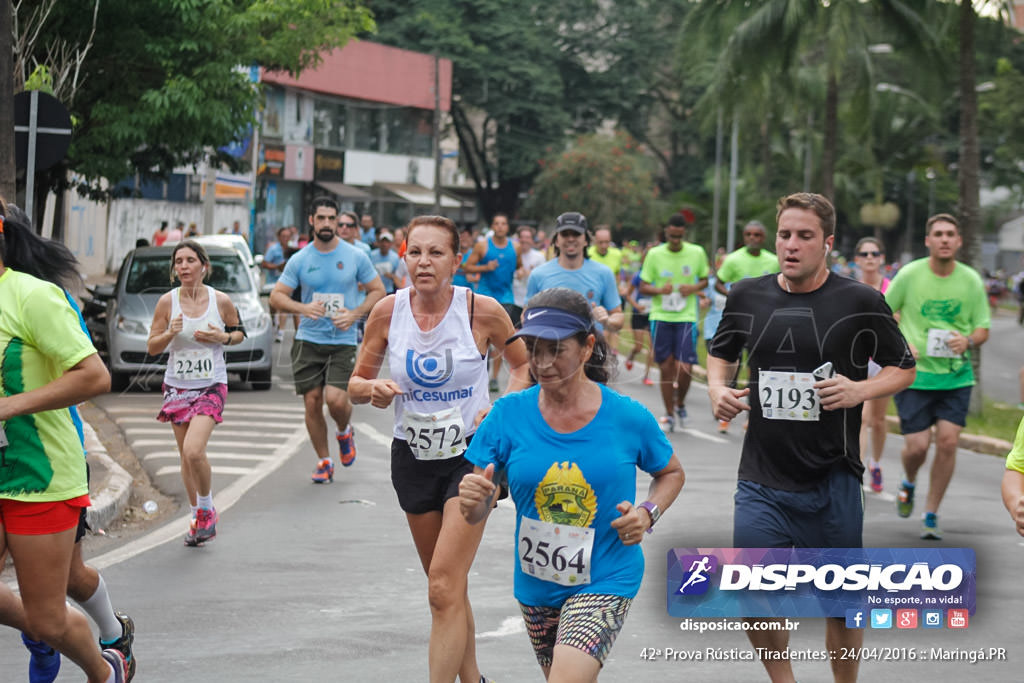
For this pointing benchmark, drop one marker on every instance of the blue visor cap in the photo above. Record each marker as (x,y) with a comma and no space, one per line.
(550,323)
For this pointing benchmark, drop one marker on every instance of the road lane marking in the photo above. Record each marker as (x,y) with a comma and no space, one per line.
(226,499)
(237,421)
(144,443)
(225,432)
(366,430)
(509,626)
(215,469)
(174,455)
(701,435)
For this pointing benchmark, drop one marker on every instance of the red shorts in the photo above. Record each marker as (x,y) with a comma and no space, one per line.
(39,519)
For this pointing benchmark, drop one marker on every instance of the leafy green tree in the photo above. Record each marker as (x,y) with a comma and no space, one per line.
(161,84)
(510,83)
(1001,112)
(608,178)
(782,35)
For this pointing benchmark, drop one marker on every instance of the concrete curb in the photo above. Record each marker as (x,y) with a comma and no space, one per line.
(972,442)
(110,493)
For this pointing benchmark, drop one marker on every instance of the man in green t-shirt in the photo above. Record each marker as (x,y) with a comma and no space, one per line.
(673,273)
(750,260)
(944,315)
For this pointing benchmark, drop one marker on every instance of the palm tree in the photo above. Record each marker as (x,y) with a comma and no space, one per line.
(780,35)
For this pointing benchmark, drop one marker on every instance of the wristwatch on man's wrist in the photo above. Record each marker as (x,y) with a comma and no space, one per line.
(654,511)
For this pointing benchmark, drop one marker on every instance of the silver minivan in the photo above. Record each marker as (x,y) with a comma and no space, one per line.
(144,277)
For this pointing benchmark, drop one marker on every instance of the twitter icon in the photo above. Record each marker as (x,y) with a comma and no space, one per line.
(881,618)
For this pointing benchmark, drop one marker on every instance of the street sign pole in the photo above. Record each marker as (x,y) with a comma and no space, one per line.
(30,172)
(41,154)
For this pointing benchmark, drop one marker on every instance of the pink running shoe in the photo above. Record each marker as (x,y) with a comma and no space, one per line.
(206,524)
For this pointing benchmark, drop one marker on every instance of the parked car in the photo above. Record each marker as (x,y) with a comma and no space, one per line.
(144,276)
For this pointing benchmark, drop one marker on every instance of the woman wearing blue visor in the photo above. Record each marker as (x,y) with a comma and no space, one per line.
(569,447)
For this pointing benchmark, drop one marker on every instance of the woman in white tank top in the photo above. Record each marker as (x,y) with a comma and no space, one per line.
(437,335)
(194,322)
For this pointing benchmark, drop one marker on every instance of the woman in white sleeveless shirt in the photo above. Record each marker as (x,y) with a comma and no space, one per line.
(437,336)
(194,322)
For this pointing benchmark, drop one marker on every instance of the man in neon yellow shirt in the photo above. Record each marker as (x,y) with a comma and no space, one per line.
(1013,481)
(602,251)
(944,315)
(750,260)
(673,273)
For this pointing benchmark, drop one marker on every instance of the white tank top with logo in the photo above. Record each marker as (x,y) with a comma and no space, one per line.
(442,375)
(192,364)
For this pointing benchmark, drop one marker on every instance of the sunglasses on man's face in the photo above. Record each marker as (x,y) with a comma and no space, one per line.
(347,225)
(866,254)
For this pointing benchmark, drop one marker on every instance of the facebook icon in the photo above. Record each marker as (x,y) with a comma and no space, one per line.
(854,618)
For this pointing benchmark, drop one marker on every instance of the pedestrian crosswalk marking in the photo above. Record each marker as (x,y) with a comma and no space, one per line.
(364,429)
(174,455)
(219,443)
(701,435)
(164,431)
(216,469)
(234,422)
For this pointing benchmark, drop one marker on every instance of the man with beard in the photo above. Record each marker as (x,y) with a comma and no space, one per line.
(329,271)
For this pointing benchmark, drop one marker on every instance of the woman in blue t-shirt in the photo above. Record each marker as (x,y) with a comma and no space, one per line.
(569,447)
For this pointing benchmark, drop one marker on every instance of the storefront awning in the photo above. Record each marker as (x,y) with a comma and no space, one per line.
(419,195)
(345,191)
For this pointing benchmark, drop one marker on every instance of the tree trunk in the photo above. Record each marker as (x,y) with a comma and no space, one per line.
(7,169)
(969,167)
(828,148)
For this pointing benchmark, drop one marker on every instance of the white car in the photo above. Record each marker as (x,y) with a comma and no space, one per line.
(239,244)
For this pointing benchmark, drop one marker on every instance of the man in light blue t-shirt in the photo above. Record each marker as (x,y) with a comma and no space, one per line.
(574,270)
(330,272)
(385,260)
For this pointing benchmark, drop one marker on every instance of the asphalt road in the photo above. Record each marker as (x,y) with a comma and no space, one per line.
(321,583)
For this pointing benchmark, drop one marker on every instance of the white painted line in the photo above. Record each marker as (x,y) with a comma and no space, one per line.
(239,421)
(364,429)
(869,494)
(701,435)
(145,443)
(175,469)
(509,626)
(223,432)
(174,455)
(226,499)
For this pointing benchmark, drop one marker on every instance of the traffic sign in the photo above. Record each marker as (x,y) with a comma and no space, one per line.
(51,128)
(42,133)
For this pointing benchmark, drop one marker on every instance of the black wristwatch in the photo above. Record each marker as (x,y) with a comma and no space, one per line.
(654,511)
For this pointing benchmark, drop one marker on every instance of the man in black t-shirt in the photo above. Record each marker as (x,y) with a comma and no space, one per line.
(809,335)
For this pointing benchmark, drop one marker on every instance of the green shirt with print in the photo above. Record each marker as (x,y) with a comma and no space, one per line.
(929,306)
(741,264)
(684,267)
(40,340)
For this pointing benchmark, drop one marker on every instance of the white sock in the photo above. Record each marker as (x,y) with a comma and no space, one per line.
(206,502)
(348,430)
(193,509)
(102,612)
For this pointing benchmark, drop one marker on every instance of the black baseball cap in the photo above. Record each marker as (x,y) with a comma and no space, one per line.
(571,220)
